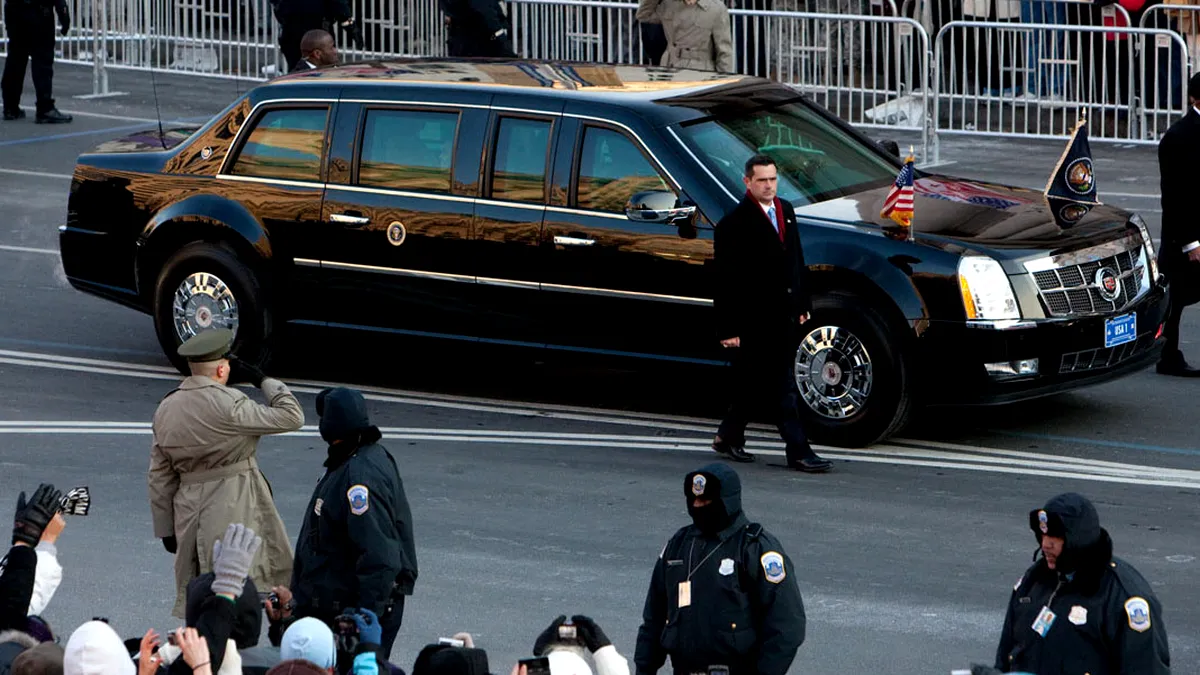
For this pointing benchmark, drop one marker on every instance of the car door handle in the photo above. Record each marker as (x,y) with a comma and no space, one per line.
(572,241)
(347,219)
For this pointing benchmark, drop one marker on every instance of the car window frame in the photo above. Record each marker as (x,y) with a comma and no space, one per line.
(489,159)
(264,109)
(360,135)
(577,162)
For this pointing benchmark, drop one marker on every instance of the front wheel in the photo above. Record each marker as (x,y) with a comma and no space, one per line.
(851,374)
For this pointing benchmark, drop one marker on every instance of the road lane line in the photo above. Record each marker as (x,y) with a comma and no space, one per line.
(36,174)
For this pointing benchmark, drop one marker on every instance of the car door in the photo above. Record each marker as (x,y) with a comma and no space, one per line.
(613,284)
(398,219)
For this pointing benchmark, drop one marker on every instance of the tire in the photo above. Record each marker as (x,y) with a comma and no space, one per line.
(842,402)
(215,277)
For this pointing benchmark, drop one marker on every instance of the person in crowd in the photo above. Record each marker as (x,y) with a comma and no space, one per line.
(356,547)
(723,591)
(30,28)
(45,658)
(1079,608)
(1179,253)
(298,17)
(477,28)
(204,473)
(565,642)
(317,50)
(699,33)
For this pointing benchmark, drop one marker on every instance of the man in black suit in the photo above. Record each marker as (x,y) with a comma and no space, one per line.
(761,298)
(1179,254)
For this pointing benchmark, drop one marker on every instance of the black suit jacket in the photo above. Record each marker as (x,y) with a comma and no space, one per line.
(762,285)
(1178,152)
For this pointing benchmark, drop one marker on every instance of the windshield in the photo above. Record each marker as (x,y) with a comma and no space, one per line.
(817,160)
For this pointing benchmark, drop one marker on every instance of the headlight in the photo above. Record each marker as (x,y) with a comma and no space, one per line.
(986,291)
(1148,245)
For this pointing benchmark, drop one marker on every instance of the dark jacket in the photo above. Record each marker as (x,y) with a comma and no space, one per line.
(16,587)
(762,285)
(746,611)
(1177,152)
(1108,620)
(356,546)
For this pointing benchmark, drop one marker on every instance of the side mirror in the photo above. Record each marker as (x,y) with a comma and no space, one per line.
(657,207)
(890,146)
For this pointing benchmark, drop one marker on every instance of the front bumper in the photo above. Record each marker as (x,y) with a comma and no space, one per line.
(1070,352)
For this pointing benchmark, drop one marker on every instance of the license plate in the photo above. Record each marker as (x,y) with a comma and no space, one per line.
(1120,329)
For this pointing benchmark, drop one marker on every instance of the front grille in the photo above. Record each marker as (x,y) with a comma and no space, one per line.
(1103,357)
(1072,289)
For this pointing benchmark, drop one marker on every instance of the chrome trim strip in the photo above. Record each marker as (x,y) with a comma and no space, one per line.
(249,116)
(701,164)
(397,271)
(585,212)
(271,181)
(585,290)
(399,193)
(560,240)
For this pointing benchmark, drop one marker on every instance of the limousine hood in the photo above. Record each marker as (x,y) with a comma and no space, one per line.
(960,214)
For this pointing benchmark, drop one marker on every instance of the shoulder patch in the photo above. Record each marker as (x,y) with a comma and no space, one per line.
(360,499)
(1138,611)
(772,564)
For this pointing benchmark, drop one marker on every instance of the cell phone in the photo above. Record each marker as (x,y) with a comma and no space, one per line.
(539,666)
(451,642)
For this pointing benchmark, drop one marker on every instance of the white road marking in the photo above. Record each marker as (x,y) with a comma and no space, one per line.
(37,174)
(28,249)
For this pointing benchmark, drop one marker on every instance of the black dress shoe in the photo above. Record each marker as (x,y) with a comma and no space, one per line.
(1177,368)
(735,452)
(14,114)
(53,116)
(812,464)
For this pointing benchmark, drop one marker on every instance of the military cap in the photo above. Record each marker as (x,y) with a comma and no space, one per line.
(210,345)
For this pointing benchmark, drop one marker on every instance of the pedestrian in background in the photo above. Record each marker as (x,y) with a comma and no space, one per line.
(204,473)
(1179,250)
(699,35)
(30,28)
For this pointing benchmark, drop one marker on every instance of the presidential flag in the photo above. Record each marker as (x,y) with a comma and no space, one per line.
(1071,191)
(898,205)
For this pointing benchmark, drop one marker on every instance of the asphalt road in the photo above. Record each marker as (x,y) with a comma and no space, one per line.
(542,487)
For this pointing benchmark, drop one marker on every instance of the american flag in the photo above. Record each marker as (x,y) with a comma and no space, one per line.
(898,205)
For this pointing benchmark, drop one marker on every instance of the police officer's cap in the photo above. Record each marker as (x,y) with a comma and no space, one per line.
(210,345)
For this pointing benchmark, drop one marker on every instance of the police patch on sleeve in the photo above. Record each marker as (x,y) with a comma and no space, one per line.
(772,564)
(1138,611)
(360,498)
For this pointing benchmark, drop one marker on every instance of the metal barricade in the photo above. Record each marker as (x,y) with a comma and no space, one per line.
(989,79)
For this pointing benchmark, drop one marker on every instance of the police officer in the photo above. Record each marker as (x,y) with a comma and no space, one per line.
(31,38)
(297,17)
(356,547)
(1078,608)
(723,592)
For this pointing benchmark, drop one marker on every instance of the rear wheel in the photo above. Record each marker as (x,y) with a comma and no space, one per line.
(204,287)
(851,373)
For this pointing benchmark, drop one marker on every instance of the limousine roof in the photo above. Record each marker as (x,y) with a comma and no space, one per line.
(685,93)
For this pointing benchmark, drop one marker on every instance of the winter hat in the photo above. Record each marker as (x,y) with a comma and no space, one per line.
(309,639)
(44,659)
(96,649)
(567,662)
(296,667)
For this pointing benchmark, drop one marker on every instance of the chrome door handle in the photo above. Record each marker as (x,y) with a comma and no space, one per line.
(347,219)
(572,241)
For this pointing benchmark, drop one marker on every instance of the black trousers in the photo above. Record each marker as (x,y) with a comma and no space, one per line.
(390,621)
(30,38)
(763,386)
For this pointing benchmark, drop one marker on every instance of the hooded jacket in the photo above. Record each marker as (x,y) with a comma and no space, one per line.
(725,597)
(96,649)
(1106,619)
(356,546)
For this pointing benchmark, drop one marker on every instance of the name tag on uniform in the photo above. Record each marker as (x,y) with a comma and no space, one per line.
(1043,622)
(685,593)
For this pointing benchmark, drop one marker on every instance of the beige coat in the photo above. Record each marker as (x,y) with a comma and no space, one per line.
(204,475)
(699,36)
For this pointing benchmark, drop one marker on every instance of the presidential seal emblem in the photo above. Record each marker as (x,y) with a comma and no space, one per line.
(396,233)
(360,499)
(1080,178)
(698,483)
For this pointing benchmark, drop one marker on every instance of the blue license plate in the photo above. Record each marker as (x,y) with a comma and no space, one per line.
(1120,329)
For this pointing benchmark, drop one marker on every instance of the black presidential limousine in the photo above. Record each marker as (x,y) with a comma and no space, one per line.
(571,207)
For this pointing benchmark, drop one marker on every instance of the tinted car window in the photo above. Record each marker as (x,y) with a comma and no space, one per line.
(611,170)
(405,149)
(519,167)
(816,160)
(284,144)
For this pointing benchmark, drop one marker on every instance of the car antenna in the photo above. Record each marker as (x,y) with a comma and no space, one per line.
(162,139)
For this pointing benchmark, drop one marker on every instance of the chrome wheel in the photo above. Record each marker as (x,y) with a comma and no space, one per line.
(833,372)
(203,302)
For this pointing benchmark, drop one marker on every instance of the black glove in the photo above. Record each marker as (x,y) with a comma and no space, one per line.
(548,636)
(64,17)
(170,544)
(32,517)
(589,632)
(248,372)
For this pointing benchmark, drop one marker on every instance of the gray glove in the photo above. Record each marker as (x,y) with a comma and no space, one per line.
(232,559)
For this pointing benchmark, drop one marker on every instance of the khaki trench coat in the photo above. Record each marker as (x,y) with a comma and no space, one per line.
(699,36)
(204,476)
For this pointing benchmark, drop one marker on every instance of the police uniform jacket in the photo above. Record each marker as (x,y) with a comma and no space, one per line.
(1107,620)
(204,475)
(745,607)
(699,35)
(356,546)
